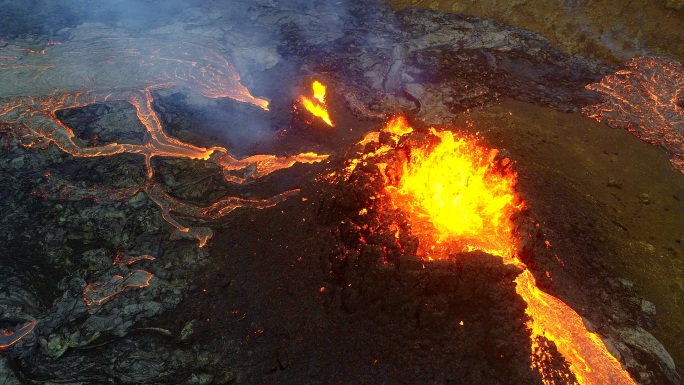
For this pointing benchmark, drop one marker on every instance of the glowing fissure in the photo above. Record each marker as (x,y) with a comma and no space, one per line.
(317,106)
(95,294)
(460,196)
(40,85)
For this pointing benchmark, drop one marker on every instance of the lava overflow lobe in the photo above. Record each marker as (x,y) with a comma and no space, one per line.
(455,195)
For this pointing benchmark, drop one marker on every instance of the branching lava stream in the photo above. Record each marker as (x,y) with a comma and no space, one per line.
(130,69)
(81,73)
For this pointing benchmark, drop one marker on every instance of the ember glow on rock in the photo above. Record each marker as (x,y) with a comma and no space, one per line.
(460,196)
(317,106)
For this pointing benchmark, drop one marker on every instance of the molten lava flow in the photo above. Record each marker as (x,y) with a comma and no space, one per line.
(317,107)
(589,359)
(126,259)
(11,337)
(318,91)
(459,196)
(37,86)
(219,209)
(454,196)
(646,98)
(168,204)
(99,292)
(257,166)
(47,129)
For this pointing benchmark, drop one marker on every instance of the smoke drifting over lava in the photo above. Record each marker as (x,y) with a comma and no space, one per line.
(185,21)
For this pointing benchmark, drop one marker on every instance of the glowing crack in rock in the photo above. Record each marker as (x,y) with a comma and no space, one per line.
(213,212)
(97,293)
(127,260)
(317,106)
(167,204)
(11,337)
(76,74)
(460,196)
(646,98)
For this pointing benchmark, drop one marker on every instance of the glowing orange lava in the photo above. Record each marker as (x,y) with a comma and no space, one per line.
(317,107)
(51,130)
(42,85)
(455,196)
(646,98)
(126,260)
(97,293)
(11,337)
(460,196)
